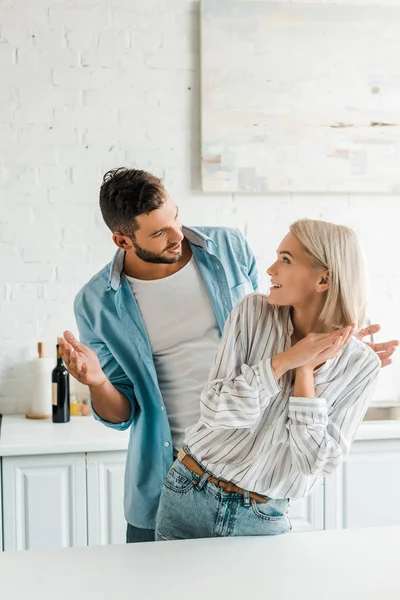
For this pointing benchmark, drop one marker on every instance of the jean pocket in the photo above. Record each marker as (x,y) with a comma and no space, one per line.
(272,510)
(179,478)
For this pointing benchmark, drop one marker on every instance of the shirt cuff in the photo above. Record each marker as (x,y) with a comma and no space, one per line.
(268,379)
(309,411)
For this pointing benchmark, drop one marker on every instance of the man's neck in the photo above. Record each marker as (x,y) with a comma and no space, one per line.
(140,269)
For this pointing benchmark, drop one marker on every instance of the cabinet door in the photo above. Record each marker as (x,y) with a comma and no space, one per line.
(307,514)
(44,501)
(371,485)
(105,478)
(1,511)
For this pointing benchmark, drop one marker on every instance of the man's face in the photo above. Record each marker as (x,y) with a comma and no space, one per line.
(159,237)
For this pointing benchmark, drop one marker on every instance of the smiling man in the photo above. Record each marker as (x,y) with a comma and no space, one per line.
(150,323)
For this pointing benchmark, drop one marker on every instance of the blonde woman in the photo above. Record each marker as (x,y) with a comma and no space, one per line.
(287,391)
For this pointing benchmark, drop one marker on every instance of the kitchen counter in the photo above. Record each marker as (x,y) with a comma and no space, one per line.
(309,566)
(378,430)
(20,436)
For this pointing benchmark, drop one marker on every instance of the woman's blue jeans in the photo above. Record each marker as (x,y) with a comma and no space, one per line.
(192,507)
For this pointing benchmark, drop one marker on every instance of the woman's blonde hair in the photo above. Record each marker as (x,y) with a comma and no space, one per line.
(336,248)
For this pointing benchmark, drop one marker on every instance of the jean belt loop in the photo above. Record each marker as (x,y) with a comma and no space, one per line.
(246,500)
(203,480)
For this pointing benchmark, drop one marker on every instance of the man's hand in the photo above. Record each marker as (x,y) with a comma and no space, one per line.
(81,362)
(384,350)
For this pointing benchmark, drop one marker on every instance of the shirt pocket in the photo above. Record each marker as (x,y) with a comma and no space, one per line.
(241,290)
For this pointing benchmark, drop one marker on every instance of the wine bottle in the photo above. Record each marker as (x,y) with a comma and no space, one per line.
(60,391)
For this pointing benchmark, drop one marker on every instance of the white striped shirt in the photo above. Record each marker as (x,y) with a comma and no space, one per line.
(253,431)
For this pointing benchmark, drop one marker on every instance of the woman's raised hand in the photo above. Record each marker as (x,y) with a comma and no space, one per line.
(314,349)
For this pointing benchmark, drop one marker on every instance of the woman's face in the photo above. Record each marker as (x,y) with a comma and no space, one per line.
(295,281)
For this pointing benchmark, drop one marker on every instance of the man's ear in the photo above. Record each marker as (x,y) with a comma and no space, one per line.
(323,282)
(122,241)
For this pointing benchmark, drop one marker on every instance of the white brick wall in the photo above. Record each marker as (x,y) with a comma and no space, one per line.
(92,84)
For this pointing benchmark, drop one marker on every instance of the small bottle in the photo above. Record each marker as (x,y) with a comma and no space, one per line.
(60,391)
(85,408)
(74,405)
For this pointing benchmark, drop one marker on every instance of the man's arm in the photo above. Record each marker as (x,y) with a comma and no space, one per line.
(253,271)
(90,362)
(110,405)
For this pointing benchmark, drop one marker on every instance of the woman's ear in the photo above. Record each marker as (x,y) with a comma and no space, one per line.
(323,282)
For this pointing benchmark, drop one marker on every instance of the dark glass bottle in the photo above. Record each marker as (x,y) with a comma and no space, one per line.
(60,389)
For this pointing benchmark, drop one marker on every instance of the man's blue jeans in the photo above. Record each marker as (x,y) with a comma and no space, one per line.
(135,534)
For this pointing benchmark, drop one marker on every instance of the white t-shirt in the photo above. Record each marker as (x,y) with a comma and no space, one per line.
(184,337)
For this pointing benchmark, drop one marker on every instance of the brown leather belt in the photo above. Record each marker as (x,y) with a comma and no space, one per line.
(228,486)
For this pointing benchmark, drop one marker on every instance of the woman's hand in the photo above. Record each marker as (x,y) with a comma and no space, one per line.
(333,351)
(308,349)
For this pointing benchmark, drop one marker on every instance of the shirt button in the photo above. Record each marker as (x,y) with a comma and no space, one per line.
(162,408)
(167,444)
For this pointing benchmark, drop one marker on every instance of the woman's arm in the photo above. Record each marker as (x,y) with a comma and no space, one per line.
(304,383)
(320,439)
(237,392)
(304,375)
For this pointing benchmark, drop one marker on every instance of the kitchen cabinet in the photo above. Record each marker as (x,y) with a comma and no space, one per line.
(369,489)
(44,501)
(105,498)
(307,514)
(63,500)
(64,485)
(1,511)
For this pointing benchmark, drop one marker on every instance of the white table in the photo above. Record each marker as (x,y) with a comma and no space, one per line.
(328,565)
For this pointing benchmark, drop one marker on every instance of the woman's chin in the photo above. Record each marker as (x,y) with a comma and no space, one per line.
(273,298)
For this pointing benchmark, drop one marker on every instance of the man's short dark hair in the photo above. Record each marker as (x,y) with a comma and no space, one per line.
(127,193)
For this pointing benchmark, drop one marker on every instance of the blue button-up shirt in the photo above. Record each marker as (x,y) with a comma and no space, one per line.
(110,323)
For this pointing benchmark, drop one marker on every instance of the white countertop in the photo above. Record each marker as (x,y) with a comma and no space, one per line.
(351,564)
(378,430)
(20,436)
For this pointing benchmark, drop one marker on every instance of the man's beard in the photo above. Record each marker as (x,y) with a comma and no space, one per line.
(152,257)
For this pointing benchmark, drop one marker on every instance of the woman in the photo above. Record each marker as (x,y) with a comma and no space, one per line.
(287,391)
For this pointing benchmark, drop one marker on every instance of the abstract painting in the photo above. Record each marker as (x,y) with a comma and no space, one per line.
(300,97)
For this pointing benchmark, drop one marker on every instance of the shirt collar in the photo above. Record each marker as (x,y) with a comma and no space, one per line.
(194,236)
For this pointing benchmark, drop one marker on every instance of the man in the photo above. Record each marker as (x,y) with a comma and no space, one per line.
(149,324)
